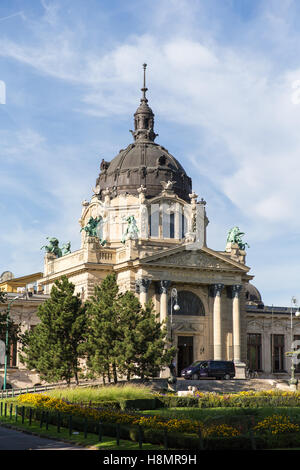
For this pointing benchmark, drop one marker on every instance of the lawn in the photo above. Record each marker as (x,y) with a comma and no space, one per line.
(102,393)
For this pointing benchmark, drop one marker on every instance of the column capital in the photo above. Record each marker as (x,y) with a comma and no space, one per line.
(236,290)
(216,289)
(164,286)
(142,285)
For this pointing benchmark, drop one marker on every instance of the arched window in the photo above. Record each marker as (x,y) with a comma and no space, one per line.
(189,303)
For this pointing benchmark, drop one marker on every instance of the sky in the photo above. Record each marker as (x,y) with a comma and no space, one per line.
(224,84)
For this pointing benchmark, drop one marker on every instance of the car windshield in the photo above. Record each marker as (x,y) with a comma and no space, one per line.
(196,363)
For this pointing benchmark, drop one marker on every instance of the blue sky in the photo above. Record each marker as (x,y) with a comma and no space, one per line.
(224,84)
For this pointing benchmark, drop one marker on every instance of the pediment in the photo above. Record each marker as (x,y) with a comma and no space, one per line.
(202,258)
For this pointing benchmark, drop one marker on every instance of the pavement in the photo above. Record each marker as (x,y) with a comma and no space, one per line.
(11,439)
(232,386)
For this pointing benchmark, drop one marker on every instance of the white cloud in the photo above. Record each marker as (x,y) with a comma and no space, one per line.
(240,104)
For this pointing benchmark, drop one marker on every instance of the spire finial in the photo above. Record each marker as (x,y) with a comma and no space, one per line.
(144,117)
(144,89)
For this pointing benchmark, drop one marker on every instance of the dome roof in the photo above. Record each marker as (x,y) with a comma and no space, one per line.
(147,164)
(252,294)
(143,162)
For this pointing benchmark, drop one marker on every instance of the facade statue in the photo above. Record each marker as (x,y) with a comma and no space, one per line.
(131,232)
(235,236)
(53,247)
(92,228)
(66,249)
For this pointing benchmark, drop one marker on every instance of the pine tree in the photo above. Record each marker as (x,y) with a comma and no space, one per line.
(54,347)
(141,349)
(102,333)
(7,324)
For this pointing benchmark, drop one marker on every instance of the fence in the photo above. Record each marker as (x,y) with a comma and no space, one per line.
(13,392)
(27,415)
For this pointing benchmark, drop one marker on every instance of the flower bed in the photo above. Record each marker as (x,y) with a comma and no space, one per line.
(188,426)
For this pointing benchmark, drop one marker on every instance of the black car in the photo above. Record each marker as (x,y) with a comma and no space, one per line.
(203,369)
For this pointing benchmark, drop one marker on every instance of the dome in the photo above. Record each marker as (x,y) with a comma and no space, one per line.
(143,163)
(252,294)
(147,164)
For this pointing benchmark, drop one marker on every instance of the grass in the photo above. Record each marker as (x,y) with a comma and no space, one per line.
(107,443)
(102,393)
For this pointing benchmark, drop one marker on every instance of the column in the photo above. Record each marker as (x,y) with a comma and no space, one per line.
(236,322)
(217,321)
(142,287)
(164,286)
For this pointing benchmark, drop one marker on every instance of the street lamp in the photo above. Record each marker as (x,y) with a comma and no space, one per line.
(293,381)
(6,340)
(176,307)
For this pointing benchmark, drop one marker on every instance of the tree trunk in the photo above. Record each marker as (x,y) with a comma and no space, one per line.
(115,373)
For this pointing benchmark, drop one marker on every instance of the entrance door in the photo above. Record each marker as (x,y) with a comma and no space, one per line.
(185,352)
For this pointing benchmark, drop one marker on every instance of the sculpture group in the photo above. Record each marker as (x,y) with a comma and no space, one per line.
(131,232)
(55,249)
(92,228)
(235,236)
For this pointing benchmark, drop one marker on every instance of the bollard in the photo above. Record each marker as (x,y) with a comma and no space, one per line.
(165,439)
(5,409)
(16,413)
(1,409)
(70,425)
(23,414)
(85,428)
(200,439)
(140,431)
(47,420)
(10,411)
(58,422)
(100,431)
(30,416)
(118,434)
(42,419)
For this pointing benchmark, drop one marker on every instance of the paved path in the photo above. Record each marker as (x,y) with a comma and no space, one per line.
(232,386)
(17,440)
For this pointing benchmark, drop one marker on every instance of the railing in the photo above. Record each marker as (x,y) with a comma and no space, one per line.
(13,392)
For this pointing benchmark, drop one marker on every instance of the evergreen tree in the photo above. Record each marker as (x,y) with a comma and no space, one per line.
(54,347)
(102,332)
(6,324)
(144,350)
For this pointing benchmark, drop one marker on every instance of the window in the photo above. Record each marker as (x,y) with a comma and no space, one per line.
(254,351)
(277,351)
(189,303)
(172,225)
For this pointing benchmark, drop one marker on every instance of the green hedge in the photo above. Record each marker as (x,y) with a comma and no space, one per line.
(215,401)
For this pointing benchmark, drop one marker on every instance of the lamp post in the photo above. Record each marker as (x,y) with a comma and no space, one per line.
(293,381)
(6,340)
(176,307)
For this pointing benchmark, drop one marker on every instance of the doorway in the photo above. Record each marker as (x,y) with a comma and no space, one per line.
(185,345)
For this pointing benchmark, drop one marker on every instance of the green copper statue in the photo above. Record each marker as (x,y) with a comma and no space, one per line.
(54,248)
(66,249)
(235,236)
(131,232)
(92,228)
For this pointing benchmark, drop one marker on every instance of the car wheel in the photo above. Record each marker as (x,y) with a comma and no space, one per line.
(227,376)
(195,377)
